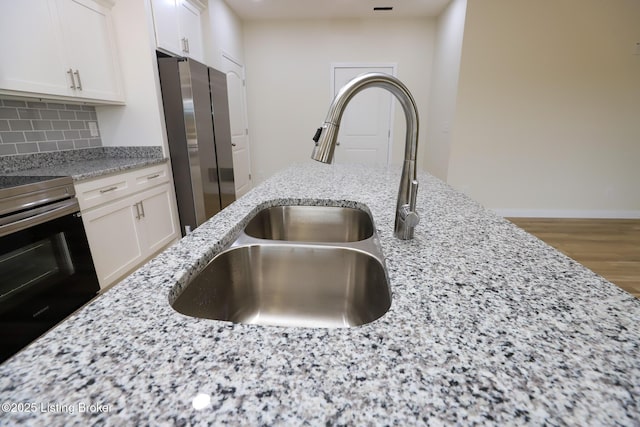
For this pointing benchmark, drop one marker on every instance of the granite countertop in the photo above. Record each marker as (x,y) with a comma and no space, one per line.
(488,325)
(93,168)
(83,164)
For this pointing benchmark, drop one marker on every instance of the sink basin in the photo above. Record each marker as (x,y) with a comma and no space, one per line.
(289,285)
(311,224)
(296,266)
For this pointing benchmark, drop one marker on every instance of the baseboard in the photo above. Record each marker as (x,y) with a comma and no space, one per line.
(566,213)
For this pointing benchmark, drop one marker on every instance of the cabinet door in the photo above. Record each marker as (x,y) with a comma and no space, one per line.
(112,231)
(165,24)
(158,226)
(90,50)
(31,49)
(191,30)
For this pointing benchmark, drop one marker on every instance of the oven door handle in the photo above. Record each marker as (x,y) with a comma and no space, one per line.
(23,220)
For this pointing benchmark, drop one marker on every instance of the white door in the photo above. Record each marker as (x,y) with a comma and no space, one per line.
(87,36)
(166,25)
(365,129)
(191,30)
(239,126)
(160,218)
(31,49)
(112,232)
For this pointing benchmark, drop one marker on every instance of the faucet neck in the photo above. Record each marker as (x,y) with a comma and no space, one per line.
(327,135)
(325,146)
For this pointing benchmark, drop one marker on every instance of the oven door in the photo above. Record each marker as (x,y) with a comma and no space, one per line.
(46,273)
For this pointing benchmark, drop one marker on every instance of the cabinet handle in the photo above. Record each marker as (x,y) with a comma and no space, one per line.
(141,210)
(188,50)
(137,210)
(108,189)
(73,82)
(185,45)
(153,176)
(77,73)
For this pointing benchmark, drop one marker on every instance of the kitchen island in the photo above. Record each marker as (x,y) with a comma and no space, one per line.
(487,325)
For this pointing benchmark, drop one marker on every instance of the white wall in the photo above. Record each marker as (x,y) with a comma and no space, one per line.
(141,121)
(444,88)
(222,33)
(548,112)
(288,78)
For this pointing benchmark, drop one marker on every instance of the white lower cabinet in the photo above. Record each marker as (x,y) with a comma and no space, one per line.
(112,231)
(156,218)
(130,227)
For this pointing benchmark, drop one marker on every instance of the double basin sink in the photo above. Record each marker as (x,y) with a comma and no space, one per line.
(300,266)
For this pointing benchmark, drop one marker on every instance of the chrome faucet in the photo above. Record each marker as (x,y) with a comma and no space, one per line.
(326,136)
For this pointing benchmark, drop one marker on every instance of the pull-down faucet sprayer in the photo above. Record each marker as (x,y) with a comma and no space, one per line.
(326,136)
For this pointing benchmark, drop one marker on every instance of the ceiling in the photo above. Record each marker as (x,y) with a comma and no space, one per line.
(319,9)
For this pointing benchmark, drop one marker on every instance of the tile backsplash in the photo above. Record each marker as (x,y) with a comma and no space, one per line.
(42,126)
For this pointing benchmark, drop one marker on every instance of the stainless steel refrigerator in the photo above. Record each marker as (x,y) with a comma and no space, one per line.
(196,112)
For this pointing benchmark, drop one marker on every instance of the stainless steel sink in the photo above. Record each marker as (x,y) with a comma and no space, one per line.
(311,224)
(307,266)
(289,285)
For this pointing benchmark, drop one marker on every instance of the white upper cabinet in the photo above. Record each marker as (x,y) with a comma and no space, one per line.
(178,28)
(61,49)
(165,23)
(191,29)
(31,49)
(88,40)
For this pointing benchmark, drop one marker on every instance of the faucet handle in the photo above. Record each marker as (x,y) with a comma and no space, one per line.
(408,211)
(411,218)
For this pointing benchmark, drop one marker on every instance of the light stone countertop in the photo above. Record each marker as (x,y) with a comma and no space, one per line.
(94,168)
(82,164)
(488,325)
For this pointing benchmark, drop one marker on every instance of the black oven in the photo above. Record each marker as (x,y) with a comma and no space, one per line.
(46,270)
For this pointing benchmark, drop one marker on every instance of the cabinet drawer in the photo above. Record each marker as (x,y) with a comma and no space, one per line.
(97,191)
(102,190)
(149,177)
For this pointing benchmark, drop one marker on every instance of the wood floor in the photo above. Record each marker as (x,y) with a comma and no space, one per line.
(610,247)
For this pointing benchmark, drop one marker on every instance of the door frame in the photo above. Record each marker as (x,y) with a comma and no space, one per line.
(227,56)
(393,66)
